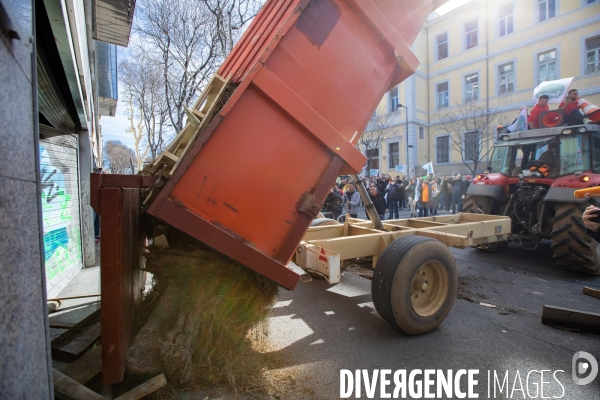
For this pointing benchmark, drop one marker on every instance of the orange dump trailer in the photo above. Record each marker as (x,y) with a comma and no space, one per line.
(303,82)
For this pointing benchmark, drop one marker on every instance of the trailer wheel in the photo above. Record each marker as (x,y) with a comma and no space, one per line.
(323,222)
(572,248)
(415,284)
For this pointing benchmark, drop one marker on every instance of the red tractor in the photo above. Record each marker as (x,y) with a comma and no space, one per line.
(532,177)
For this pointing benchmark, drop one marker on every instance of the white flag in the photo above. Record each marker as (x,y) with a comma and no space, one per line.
(556,90)
(521,123)
(428,167)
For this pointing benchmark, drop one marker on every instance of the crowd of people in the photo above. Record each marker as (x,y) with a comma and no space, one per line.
(422,196)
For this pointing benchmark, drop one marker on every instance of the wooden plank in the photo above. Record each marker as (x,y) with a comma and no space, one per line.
(71,389)
(61,325)
(145,388)
(85,367)
(84,341)
(591,292)
(567,318)
(73,343)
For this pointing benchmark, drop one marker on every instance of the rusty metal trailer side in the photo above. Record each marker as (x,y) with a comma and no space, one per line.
(296,99)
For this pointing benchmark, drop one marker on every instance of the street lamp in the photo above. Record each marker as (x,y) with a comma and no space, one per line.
(407,159)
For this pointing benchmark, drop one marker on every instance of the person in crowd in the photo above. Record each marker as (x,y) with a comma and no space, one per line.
(351,199)
(410,193)
(425,196)
(401,194)
(434,195)
(343,183)
(381,187)
(540,107)
(445,195)
(467,183)
(393,198)
(571,114)
(458,192)
(377,199)
(333,202)
(592,229)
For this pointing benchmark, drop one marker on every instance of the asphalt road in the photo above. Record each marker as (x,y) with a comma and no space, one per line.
(319,329)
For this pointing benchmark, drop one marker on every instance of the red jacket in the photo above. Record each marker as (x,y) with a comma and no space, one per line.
(534,117)
(570,107)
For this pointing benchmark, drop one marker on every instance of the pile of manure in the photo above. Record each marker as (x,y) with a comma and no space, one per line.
(204,309)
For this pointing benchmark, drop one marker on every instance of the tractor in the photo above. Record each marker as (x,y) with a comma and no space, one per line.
(535,188)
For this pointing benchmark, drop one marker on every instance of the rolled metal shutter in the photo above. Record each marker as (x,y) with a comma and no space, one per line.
(59,178)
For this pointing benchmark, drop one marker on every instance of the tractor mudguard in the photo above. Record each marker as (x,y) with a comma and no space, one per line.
(494,191)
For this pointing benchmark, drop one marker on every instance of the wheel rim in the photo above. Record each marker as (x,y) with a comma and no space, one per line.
(429,288)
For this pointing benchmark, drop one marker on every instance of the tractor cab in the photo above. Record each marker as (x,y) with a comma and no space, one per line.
(547,153)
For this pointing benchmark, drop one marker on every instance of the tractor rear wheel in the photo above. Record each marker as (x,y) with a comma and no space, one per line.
(572,247)
(478,205)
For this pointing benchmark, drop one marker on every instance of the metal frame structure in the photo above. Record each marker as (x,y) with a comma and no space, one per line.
(324,248)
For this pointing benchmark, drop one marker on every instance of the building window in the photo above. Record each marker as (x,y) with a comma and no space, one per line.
(373,157)
(421,132)
(471,146)
(394,154)
(506,19)
(471,87)
(442,149)
(394,99)
(546,9)
(547,66)
(471,34)
(592,51)
(506,74)
(442,46)
(442,95)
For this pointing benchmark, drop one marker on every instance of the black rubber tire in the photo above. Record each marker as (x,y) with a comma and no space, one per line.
(393,276)
(572,248)
(323,222)
(478,205)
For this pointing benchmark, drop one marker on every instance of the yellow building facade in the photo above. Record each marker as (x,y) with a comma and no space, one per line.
(486,56)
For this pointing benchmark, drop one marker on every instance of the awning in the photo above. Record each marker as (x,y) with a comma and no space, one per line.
(113,21)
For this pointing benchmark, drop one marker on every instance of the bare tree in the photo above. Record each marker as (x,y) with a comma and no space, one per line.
(471,128)
(146,111)
(118,158)
(231,17)
(187,40)
(379,128)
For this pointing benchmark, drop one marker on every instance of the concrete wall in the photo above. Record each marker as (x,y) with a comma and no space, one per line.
(25,361)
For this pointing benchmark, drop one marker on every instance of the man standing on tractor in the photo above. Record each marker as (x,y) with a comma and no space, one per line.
(570,107)
(540,107)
